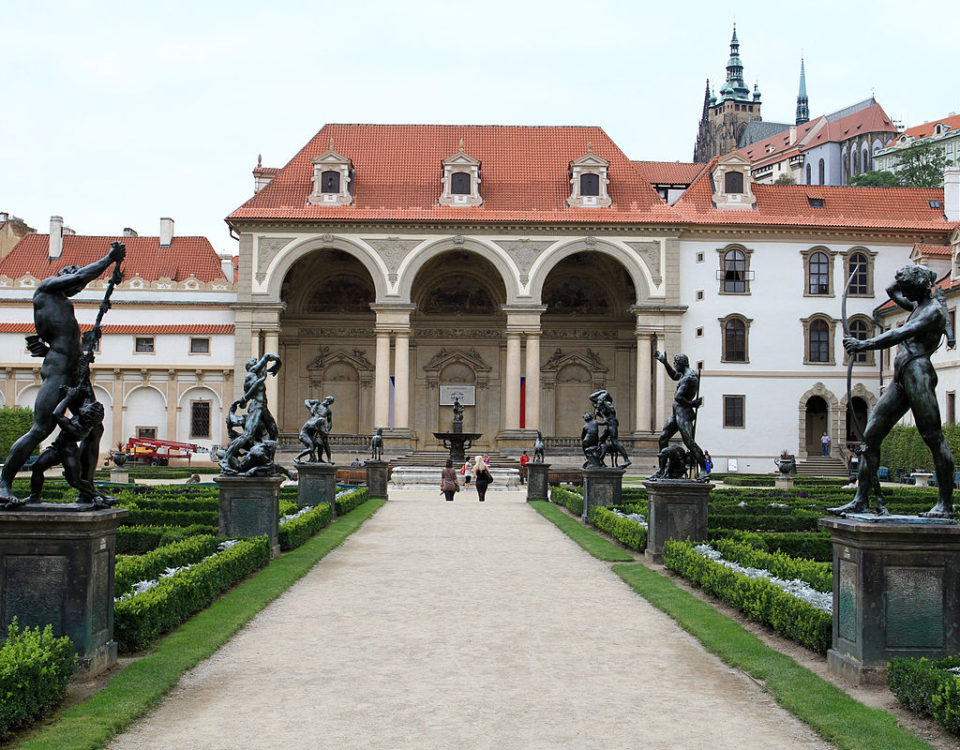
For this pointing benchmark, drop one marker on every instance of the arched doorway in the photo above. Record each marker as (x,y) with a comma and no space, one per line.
(816,424)
(327,341)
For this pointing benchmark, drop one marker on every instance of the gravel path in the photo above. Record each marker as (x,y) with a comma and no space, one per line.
(461,625)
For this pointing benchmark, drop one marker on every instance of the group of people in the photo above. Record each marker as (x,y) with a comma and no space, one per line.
(478,471)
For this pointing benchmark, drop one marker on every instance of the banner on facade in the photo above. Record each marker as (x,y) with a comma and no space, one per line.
(466,394)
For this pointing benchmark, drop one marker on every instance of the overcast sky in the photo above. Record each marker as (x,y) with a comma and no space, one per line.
(117,113)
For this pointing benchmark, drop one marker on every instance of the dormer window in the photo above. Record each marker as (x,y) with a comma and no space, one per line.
(332,179)
(461,180)
(588,181)
(733,183)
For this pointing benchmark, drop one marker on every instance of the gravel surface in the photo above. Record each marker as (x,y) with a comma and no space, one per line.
(464,625)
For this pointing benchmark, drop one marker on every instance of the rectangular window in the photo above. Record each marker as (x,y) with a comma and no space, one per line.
(148,433)
(199,419)
(951,407)
(144,345)
(199,346)
(733,411)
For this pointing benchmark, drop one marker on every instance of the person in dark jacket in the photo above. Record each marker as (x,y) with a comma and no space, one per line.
(481,477)
(448,481)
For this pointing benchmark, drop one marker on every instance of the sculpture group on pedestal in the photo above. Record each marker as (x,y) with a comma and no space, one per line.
(596,445)
(252,451)
(65,386)
(673,460)
(315,433)
(538,448)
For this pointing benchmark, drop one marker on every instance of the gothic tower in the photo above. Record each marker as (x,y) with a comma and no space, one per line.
(727,117)
(803,106)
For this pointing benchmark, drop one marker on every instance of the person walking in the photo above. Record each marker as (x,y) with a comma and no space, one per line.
(467,471)
(707,461)
(825,443)
(448,481)
(524,460)
(482,474)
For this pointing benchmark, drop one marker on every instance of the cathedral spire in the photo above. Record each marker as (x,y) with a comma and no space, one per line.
(803,106)
(705,114)
(735,88)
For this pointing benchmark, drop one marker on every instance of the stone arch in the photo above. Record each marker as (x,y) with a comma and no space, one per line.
(861,392)
(104,396)
(419,259)
(184,414)
(638,272)
(145,406)
(280,266)
(568,378)
(833,409)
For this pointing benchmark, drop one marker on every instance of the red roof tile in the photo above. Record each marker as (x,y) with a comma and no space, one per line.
(524,176)
(669,172)
(186,257)
(933,250)
(145,330)
(922,131)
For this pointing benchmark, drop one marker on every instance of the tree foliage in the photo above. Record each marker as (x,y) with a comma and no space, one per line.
(921,165)
(785,179)
(875,178)
(14,422)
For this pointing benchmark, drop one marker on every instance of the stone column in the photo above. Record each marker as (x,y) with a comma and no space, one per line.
(117,391)
(643,382)
(532,373)
(511,417)
(660,380)
(271,345)
(401,383)
(381,388)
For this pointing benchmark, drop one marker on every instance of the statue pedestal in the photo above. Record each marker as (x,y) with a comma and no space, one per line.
(119,475)
(56,568)
(677,510)
(896,592)
(250,506)
(376,479)
(783,483)
(537,484)
(317,483)
(601,486)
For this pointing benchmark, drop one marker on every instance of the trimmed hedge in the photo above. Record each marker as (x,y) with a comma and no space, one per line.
(295,532)
(14,422)
(34,669)
(140,619)
(151,517)
(758,599)
(799,520)
(811,545)
(346,503)
(569,500)
(628,533)
(135,540)
(131,570)
(817,574)
(927,687)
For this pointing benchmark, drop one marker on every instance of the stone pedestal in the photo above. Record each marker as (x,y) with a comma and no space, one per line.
(783,483)
(376,479)
(922,478)
(537,485)
(677,510)
(119,475)
(56,568)
(896,592)
(601,487)
(250,506)
(317,484)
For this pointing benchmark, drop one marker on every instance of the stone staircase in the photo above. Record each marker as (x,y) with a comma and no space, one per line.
(822,466)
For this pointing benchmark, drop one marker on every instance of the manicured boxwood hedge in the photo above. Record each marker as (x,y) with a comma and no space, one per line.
(568,499)
(346,503)
(819,575)
(295,532)
(628,533)
(140,619)
(927,687)
(151,517)
(811,545)
(131,569)
(34,669)
(759,599)
(135,540)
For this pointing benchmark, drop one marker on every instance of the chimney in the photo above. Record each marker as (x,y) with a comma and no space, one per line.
(56,237)
(166,232)
(4,216)
(951,193)
(226,266)
(128,232)
(793,134)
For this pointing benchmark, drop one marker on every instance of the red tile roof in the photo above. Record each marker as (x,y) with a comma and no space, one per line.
(186,257)
(925,130)
(843,207)
(669,172)
(139,330)
(934,250)
(524,176)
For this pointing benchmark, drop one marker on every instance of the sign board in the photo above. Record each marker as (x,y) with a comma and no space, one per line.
(467,394)
(732,464)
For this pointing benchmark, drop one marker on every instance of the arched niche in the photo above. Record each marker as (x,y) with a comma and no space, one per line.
(602,254)
(500,266)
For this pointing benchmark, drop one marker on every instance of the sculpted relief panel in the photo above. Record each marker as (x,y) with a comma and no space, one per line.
(267,249)
(649,253)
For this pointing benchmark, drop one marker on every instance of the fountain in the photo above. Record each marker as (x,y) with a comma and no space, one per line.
(457,441)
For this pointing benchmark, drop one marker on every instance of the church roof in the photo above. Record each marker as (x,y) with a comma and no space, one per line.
(397,177)
(905,209)
(759,130)
(186,257)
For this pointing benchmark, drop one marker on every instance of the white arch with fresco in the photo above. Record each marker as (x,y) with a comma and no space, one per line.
(496,255)
(280,266)
(639,273)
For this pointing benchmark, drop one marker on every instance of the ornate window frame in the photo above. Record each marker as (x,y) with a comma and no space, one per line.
(589,163)
(868,358)
(831,339)
(746,338)
(870,255)
(331,161)
(734,201)
(743,411)
(747,273)
(460,162)
(807,259)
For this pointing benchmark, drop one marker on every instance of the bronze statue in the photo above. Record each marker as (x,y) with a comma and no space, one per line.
(376,445)
(590,442)
(686,401)
(260,433)
(913,387)
(610,438)
(58,341)
(538,448)
(457,414)
(674,460)
(315,431)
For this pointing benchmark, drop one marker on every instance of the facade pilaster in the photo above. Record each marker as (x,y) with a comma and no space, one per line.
(271,345)
(532,374)
(511,419)
(644,389)
(660,377)
(381,385)
(401,382)
(392,319)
